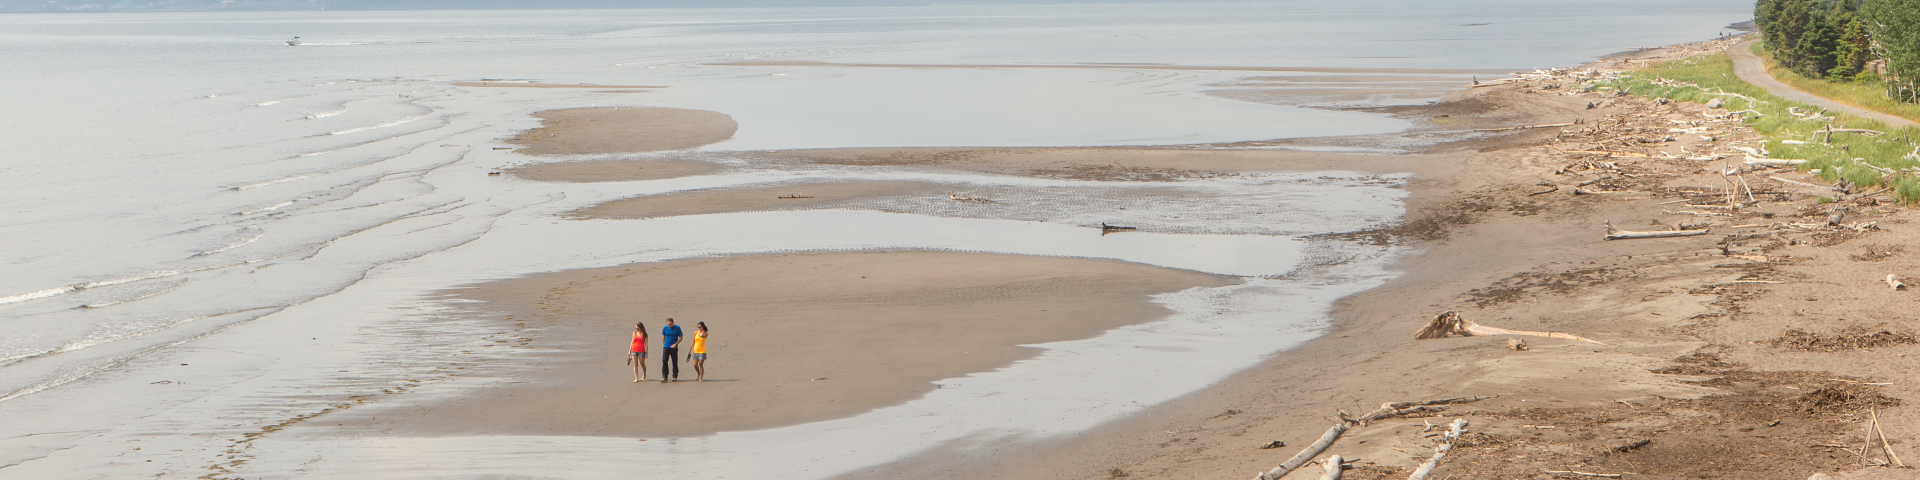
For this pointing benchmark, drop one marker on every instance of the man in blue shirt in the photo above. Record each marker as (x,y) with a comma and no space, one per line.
(670,363)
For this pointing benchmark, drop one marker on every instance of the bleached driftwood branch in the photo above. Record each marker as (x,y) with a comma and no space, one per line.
(1395,409)
(1774,162)
(1386,410)
(1326,440)
(1332,465)
(1805,184)
(1618,234)
(1446,445)
(1523,127)
(1450,323)
(1584,474)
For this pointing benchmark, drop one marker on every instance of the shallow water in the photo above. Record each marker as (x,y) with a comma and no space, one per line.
(209,233)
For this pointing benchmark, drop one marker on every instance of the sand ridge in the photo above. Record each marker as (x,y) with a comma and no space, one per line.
(1127,164)
(604,130)
(755,198)
(613,170)
(796,337)
(547,85)
(1117,66)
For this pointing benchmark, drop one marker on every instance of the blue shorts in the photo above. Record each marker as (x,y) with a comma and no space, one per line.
(640,355)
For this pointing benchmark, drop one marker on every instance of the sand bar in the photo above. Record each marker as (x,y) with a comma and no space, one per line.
(604,130)
(748,199)
(1156,164)
(613,170)
(1229,68)
(545,85)
(796,337)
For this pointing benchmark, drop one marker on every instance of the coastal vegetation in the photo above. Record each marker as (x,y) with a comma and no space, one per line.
(1861,152)
(1870,41)
(1868,92)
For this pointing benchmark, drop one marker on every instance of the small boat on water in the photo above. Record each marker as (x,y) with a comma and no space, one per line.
(294,42)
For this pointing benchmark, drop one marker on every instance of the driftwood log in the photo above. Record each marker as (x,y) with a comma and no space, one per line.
(1774,162)
(1871,133)
(1805,184)
(1584,474)
(1523,127)
(1450,323)
(1395,409)
(1332,465)
(1618,234)
(1386,410)
(1326,440)
(1446,445)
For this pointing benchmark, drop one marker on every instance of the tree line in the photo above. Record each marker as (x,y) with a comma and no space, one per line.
(1836,40)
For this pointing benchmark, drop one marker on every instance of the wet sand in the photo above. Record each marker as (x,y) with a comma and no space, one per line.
(613,170)
(605,130)
(750,199)
(796,337)
(546,85)
(1710,357)
(1723,348)
(1149,164)
(1111,66)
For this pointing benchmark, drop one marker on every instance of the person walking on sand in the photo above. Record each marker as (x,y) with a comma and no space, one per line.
(637,353)
(669,363)
(699,351)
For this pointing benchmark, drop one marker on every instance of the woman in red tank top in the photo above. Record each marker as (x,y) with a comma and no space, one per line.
(637,353)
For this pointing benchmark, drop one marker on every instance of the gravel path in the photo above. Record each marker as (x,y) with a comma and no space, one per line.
(1750,68)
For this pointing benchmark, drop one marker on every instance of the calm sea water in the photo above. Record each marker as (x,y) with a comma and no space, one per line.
(208,232)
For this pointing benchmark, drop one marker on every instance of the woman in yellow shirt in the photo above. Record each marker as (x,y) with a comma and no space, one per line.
(699,356)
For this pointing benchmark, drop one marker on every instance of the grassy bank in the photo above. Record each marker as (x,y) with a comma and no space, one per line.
(1792,130)
(1870,95)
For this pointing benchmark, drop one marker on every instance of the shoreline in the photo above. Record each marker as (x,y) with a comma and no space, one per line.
(1697,369)
(1496,251)
(284,257)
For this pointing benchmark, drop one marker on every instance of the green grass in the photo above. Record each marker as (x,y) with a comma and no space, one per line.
(1704,78)
(1906,186)
(1867,94)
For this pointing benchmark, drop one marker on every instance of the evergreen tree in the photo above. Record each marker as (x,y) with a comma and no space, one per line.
(1816,46)
(1851,53)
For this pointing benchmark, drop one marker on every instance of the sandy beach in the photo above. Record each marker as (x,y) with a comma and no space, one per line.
(1694,363)
(796,337)
(951,241)
(1716,351)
